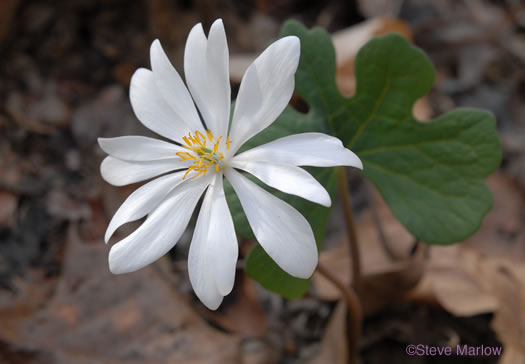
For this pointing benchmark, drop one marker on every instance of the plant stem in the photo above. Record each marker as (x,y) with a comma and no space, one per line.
(354,315)
(355,257)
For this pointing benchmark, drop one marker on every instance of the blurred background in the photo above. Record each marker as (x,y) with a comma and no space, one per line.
(64,78)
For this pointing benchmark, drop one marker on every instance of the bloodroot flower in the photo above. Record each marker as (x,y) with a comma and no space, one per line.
(203,152)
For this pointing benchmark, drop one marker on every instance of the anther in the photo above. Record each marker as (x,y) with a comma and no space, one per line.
(188,171)
(185,156)
(216,146)
(210,135)
(198,136)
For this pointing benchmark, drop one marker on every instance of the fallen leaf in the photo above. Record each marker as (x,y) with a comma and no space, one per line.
(466,282)
(502,232)
(95,316)
(450,280)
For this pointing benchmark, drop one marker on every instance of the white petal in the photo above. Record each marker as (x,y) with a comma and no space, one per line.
(266,89)
(139,148)
(287,178)
(307,149)
(161,230)
(172,89)
(151,109)
(207,75)
(120,173)
(280,229)
(143,200)
(213,250)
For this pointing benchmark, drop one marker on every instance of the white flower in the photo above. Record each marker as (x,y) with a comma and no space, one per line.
(202,155)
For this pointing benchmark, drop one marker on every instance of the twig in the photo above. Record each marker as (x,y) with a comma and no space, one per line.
(354,315)
(355,257)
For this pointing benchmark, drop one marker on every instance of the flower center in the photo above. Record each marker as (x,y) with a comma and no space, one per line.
(203,154)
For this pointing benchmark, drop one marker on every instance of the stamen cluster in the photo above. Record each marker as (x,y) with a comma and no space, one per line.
(202,156)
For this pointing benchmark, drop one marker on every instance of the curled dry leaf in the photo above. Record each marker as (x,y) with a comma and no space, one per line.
(450,280)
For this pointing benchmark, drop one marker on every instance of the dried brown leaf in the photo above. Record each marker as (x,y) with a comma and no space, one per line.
(95,316)
(466,282)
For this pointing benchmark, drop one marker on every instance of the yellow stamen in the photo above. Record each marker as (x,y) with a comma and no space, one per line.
(198,136)
(198,174)
(185,156)
(210,135)
(203,157)
(216,146)
(228,143)
(188,171)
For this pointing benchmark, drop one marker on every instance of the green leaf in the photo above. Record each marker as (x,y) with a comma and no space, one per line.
(430,174)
